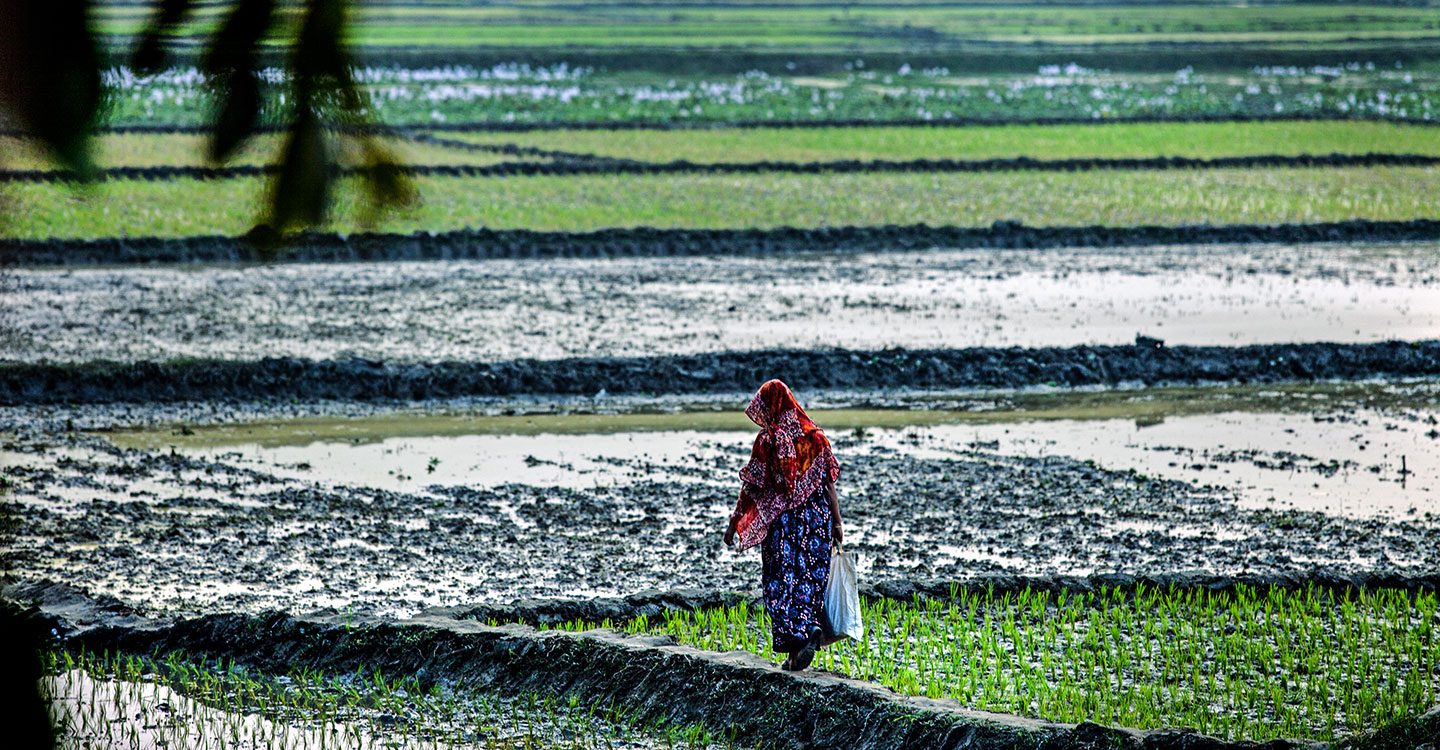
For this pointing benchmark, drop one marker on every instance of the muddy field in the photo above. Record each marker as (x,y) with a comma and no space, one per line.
(175,532)
(545,309)
(540,440)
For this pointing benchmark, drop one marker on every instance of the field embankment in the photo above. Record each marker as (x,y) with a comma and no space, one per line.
(363,379)
(647,241)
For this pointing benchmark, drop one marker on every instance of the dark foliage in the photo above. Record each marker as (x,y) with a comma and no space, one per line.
(50,87)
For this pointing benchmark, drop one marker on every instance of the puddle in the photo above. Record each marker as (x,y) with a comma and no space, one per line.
(508,309)
(1269,460)
(1356,450)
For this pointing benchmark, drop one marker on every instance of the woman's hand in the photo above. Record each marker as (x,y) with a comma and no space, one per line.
(730,535)
(837,533)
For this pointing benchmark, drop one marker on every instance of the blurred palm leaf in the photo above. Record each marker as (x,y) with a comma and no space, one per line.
(50,87)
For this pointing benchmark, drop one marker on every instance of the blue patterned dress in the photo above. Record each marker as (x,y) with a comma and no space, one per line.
(795,566)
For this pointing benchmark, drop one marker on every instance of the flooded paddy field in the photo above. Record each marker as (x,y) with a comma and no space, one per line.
(388,515)
(504,309)
(1355,449)
(398,512)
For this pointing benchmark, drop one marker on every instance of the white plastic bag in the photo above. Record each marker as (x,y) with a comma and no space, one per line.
(842,596)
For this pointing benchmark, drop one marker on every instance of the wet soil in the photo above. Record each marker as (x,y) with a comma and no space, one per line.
(363,379)
(652,241)
(168,532)
(1356,449)
(502,310)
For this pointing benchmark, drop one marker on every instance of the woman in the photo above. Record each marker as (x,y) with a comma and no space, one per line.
(789,507)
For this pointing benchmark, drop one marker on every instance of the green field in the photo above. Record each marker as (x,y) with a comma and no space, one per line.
(1253,665)
(184,700)
(1140,140)
(838,26)
(1250,665)
(583,203)
(188,150)
(1117,140)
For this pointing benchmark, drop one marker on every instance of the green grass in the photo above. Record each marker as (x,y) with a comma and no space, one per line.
(180,150)
(838,26)
(1115,140)
(177,700)
(583,203)
(1254,665)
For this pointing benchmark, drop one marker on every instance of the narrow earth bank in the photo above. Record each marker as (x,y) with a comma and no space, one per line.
(364,379)
(650,241)
(635,167)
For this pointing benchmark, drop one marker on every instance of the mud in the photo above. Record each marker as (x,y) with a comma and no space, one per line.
(363,379)
(506,309)
(167,532)
(651,241)
(1355,451)
(631,167)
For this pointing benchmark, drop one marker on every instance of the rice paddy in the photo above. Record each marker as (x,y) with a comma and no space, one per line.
(1242,665)
(116,701)
(515,92)
(707,201)
(810,26)
(1245,665)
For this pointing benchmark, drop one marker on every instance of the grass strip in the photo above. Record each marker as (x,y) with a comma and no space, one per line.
(835,25)
(1255,664)
(188,150)
(700,201)
(1200,140)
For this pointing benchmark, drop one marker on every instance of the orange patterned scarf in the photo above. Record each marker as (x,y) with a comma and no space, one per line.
(789,462)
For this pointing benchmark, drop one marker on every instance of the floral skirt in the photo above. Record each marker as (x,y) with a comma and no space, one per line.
(795,560)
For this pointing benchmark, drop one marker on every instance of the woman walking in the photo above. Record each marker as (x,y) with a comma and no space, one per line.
(789,507)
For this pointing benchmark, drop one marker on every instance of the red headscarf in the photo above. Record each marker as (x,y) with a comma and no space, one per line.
(789,461)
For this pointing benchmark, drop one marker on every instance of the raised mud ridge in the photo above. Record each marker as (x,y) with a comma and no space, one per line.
(310,247)
(361,379)
(736,692)
(896,122)
(583,164)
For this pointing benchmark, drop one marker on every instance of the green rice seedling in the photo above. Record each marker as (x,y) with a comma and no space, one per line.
(218,705)
(1254,664)
(1128,140)
(764,201)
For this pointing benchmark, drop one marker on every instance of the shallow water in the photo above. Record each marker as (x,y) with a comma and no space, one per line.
(504,309)
(953,486)
(1357,450)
